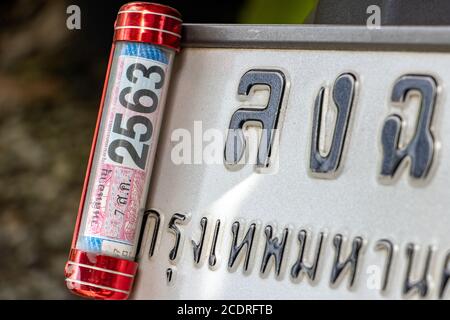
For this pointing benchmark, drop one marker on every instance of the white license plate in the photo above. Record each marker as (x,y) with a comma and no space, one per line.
(334,207)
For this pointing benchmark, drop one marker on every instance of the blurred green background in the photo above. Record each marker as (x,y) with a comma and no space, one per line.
(51,81)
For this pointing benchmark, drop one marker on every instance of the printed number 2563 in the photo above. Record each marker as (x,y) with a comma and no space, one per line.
(125,127)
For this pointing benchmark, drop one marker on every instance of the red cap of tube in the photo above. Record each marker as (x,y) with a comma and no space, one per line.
(98,276)
(149,22)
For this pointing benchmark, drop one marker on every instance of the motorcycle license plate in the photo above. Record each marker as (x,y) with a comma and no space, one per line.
(302,162)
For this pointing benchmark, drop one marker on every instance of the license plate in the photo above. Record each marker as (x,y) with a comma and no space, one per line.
(345,194)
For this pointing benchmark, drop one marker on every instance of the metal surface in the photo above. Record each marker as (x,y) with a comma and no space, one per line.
(286,233)
(417,38)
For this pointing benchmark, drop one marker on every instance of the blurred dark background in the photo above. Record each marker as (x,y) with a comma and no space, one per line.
(51,81)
